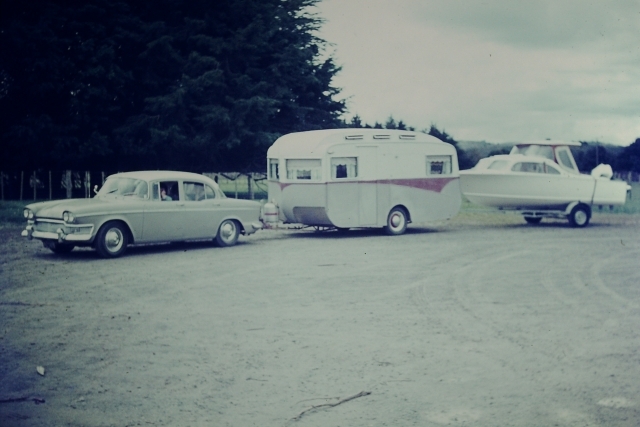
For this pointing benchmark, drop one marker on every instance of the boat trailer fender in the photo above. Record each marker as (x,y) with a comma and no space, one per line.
(570,207)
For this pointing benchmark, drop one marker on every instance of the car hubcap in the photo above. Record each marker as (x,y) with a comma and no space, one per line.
(396,220)
(581,217)
(228,230)
(113,239)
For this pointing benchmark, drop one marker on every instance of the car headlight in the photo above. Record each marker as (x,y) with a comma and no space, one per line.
(68,217)
(28,213)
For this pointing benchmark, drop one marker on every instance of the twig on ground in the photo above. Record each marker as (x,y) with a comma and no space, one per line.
(36,400)
(331,405)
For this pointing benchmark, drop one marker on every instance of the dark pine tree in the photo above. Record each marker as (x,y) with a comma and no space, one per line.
(196,85)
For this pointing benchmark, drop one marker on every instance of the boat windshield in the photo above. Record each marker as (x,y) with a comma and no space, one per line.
(119,187)
(498,165)
(534,150)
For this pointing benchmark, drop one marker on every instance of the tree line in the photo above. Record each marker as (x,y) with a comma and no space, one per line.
(188,84)
(167,84)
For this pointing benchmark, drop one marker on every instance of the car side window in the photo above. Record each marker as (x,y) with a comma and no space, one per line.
(209,192)
(194,191)
(168,191)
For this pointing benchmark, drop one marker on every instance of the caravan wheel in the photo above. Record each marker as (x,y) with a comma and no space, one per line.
(396,222)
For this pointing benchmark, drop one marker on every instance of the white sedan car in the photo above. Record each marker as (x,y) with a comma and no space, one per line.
(143,207)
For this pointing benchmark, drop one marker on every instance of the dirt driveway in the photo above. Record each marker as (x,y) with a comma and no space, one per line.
(483,321)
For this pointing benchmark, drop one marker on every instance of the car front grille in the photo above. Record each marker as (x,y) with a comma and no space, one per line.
(47,227)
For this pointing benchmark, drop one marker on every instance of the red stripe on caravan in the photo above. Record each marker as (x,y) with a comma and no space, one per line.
(430,184)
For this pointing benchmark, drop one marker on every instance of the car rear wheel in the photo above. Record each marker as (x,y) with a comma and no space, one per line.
(228,233)
(59,248)
(580,216)
(112,240)
(396,222)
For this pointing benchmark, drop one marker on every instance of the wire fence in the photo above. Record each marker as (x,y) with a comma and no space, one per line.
(69,184)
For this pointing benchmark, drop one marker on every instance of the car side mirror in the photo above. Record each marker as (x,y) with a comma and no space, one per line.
(95,189)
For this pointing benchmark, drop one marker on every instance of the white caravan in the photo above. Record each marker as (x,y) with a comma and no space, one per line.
(347,178)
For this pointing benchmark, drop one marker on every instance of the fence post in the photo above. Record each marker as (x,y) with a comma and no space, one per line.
(87,184)
(249,186)
(21,183)
(68,183)
(34,182)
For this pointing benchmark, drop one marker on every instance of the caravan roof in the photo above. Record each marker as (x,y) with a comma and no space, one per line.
(316,143)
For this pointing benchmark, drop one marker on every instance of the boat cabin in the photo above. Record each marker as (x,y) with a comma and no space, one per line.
(558,151)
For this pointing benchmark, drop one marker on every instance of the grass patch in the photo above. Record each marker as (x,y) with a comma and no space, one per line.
(257,195)
(11,211)
(239,188)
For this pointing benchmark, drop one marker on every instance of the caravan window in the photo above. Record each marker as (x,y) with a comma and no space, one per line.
(274,172)
(344,167)
(439,165)
(307,169)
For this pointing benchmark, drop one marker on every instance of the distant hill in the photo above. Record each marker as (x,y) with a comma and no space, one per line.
(476,150)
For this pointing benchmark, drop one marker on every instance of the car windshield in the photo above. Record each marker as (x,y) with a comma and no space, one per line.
(124,187)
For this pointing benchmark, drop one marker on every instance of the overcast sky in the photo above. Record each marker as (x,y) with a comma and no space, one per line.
(493,70)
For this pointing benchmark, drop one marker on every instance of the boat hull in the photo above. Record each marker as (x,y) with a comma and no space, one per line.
(539,191)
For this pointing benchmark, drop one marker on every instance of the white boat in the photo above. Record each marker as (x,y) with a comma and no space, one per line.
(541,179)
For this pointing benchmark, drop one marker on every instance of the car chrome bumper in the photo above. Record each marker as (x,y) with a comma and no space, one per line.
(71,234)
(253,227)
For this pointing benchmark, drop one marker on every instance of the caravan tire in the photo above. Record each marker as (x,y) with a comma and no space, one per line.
(396,222)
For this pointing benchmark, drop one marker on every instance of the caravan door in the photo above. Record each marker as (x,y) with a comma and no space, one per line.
(367,185)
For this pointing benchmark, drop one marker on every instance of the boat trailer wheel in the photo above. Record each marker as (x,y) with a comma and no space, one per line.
(580,216)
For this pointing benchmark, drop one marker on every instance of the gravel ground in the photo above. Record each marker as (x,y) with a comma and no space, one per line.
(480,321)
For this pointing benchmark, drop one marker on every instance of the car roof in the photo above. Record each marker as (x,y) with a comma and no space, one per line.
(161,174)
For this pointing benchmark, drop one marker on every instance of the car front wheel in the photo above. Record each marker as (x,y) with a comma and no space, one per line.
(228,233)
(112,240)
